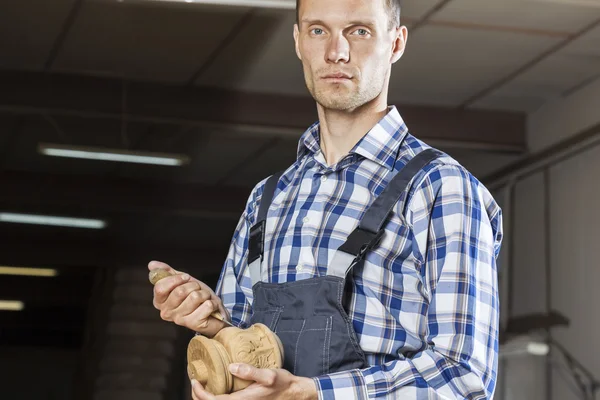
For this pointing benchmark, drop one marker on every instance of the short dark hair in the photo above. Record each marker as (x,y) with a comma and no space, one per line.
(392,5)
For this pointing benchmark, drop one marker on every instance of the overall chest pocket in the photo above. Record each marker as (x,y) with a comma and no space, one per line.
(306,345)
(268,317)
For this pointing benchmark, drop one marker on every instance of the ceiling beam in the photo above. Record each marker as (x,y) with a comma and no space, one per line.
(530,64)
(428,15)
(248,113)
(63,34)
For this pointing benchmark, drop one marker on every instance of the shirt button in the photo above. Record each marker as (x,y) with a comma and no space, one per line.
(299,267)
(323,178)
(305,220)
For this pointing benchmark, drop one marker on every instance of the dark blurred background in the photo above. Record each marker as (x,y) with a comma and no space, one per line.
(509,88)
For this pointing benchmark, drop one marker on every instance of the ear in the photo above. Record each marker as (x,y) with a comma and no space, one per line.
(296,35)
(400,38)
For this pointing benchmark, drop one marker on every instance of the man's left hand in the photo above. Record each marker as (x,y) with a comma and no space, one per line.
(268,384)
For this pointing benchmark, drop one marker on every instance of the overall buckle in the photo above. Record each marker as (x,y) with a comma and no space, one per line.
(370,241)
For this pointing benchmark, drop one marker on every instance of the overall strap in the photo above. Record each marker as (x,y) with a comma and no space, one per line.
(256,241)
(370,230)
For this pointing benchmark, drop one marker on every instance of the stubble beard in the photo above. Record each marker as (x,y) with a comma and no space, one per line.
(343,97)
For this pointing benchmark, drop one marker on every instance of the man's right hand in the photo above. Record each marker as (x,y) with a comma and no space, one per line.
(187,302)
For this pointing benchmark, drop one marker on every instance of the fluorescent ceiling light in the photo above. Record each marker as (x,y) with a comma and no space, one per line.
(26,271)
(52,220)
(9,305)
(104,154)
(281,4)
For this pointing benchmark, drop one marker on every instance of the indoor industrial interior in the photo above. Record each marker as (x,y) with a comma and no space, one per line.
(136,130)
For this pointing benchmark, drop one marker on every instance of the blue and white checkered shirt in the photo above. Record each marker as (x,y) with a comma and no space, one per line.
(425,306)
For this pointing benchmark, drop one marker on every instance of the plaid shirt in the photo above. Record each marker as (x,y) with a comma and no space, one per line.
(425,306)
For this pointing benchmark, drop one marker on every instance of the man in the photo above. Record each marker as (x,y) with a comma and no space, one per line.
(373,256)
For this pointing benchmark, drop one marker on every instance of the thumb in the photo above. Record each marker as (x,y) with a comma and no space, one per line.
(263,376)
(152,265)
(221,308)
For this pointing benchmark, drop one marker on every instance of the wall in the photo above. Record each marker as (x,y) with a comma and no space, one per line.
(564,117)
(574,190)
(522,282)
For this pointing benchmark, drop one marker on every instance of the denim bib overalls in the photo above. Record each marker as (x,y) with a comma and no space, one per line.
(309,315)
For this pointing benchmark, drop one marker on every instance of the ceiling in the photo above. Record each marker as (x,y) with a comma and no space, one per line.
(222,84)
(469,46)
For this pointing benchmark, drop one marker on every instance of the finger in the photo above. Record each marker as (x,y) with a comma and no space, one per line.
(264,376)
(180,293)
(204,286)
(194,383)
(213,295)
(199,392)
(221,307)
(199,318)
(194,397)
(190,304)
(208,289)
(176,298)
(164,288)
(152,265)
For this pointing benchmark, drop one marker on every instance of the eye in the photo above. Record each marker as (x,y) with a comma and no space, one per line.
(317,31)
(362,32)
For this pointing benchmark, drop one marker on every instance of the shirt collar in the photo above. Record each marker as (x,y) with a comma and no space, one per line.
(380,144)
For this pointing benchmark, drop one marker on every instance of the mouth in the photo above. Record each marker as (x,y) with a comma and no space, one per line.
(337,77)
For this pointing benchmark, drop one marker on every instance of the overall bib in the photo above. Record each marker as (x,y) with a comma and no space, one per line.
(309,315)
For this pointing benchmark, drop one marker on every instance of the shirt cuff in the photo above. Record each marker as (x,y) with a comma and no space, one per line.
(342,386)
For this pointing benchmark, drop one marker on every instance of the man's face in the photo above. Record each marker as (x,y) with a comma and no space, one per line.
(346,48)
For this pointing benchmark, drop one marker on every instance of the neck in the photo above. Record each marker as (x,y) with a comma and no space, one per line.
(341,130)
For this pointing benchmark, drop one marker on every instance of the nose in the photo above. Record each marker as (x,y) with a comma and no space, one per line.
(338,49)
